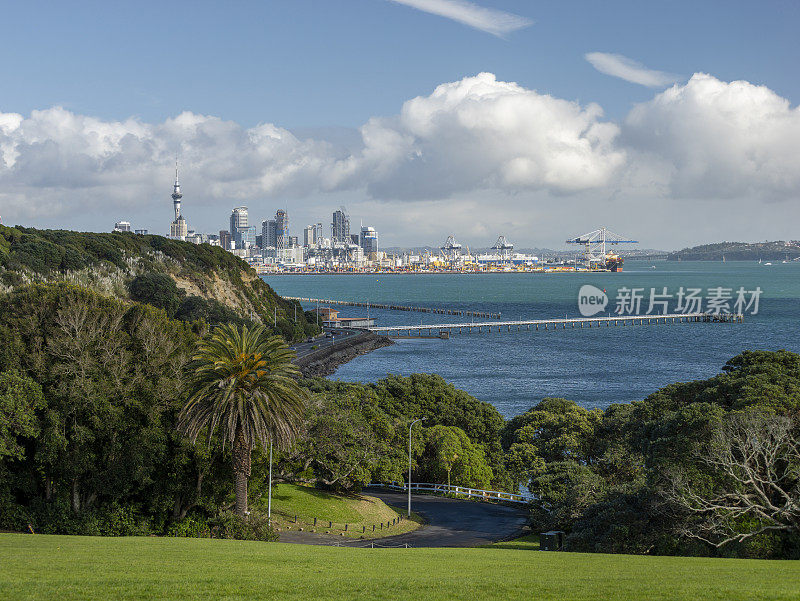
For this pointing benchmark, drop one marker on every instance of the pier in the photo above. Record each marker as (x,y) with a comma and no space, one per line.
(445,330)
(368,305)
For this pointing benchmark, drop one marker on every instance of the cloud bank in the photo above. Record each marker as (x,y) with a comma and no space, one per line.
(628,69)
(492,21)
(477,138)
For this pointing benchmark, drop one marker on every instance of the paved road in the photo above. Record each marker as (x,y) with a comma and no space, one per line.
(340,335)
(451,523)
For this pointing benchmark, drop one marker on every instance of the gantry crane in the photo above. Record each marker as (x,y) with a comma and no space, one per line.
(503,248)
(594,254)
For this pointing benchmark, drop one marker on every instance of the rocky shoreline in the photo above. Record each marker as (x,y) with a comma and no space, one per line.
(325,361)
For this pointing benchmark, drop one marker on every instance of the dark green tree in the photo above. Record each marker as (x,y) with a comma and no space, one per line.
(241,383)
(20,398)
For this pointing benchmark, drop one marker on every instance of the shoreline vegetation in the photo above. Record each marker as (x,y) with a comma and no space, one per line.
(778,250)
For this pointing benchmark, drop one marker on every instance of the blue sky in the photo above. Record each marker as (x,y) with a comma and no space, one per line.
(313,66)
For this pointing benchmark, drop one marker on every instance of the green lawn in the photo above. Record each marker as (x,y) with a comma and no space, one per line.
(528,542)
(290,500)
(77,568)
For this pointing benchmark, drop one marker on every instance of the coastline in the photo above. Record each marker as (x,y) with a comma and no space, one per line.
(324,362)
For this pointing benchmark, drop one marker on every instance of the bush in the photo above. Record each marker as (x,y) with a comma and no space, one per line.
(13,517)
(226,525)
(116,520)
(213,312)
(192,526)
(157,289)
(229,525)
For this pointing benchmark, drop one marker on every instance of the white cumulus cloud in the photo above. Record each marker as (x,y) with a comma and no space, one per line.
(628,69)
(716,139)
(480,133)
(537,160)
(490,20)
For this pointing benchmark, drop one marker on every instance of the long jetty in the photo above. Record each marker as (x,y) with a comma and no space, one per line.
(444,330)
(461,312)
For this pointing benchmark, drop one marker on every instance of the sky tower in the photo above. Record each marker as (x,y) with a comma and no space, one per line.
(178,228)
(176,193)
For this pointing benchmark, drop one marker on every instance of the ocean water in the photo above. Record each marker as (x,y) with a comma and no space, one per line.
(594,367)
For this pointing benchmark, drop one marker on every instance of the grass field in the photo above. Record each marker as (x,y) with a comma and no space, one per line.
(38,567)
(358,512)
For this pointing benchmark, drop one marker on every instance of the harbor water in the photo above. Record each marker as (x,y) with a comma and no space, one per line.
(594,367)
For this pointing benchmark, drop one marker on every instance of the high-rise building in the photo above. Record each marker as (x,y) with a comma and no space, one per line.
(309,236)
(268,234)
(225,239)
(238,223)
(354,239)
(122,226)
(340,228)
(282,229)
(178,228)
(247,235)
(369,241)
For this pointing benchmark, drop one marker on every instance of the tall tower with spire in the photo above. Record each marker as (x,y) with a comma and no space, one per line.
(178,228)
(176,193)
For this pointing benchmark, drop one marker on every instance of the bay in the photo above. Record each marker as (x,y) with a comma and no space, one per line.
(594,367)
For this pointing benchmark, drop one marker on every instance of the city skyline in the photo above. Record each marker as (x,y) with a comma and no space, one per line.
(538,122)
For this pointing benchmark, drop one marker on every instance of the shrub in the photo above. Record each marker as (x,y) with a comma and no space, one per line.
(229,525)
(225,525)
(157,289)
(193,526)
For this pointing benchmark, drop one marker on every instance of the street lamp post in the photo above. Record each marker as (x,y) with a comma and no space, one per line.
(422,419)
(269,493)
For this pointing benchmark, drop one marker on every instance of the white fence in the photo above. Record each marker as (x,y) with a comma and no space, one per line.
(472,493)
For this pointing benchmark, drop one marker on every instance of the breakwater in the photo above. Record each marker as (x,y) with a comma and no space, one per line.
(323,362)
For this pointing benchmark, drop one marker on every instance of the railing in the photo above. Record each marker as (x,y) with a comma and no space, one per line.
(464,491)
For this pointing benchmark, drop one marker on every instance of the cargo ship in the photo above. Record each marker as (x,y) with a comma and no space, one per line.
(614,262)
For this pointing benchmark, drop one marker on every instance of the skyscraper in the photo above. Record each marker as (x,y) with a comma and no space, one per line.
(282,229)
(309,236)
(268,235)
(225,239)
(177,228)
(368,241)
(340,228)
(238,225)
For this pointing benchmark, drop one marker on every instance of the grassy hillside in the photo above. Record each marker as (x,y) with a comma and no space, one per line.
(108,263)
(332,512)
(77,568)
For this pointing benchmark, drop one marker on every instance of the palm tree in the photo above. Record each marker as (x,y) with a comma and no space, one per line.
(242,382)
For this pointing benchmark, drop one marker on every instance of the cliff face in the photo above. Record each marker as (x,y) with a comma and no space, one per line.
(106,263)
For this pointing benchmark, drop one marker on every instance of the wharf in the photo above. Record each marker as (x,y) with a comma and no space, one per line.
(368,305)
(447,329)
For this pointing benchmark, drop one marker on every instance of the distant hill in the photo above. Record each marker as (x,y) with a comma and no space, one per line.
(739,251)
(209,283)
